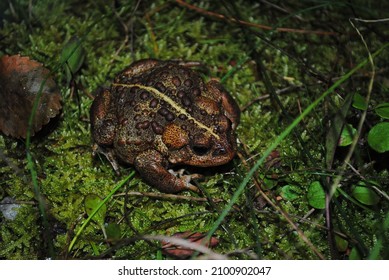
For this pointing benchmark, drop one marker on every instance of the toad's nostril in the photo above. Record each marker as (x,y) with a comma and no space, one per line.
(219,152)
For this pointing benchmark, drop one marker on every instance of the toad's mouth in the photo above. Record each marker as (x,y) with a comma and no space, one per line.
(203,155)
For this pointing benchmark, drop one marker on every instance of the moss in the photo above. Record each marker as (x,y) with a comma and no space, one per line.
(20,237)
(300,67)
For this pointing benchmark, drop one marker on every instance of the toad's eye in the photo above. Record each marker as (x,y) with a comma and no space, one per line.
(223,125)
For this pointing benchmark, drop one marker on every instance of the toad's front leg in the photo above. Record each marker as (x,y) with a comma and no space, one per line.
(153,169)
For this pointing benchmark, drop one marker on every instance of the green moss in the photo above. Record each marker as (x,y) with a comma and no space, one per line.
(20,237)
(302,65)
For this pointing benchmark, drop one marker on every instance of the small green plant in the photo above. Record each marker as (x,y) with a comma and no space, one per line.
(316,195)
(72,57)
(378,135)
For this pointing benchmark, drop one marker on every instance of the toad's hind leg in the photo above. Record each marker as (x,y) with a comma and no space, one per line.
(153,169)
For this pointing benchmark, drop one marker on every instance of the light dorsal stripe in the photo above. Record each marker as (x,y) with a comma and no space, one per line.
(172,103)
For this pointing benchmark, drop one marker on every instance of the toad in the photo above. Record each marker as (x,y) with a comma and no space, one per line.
(160,114)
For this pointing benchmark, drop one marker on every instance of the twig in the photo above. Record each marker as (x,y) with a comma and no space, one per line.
(255,25)
(266,96)
(372,20)
(169,196)
(279,8)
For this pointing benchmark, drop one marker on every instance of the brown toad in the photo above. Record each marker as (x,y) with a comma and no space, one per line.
(158,114)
